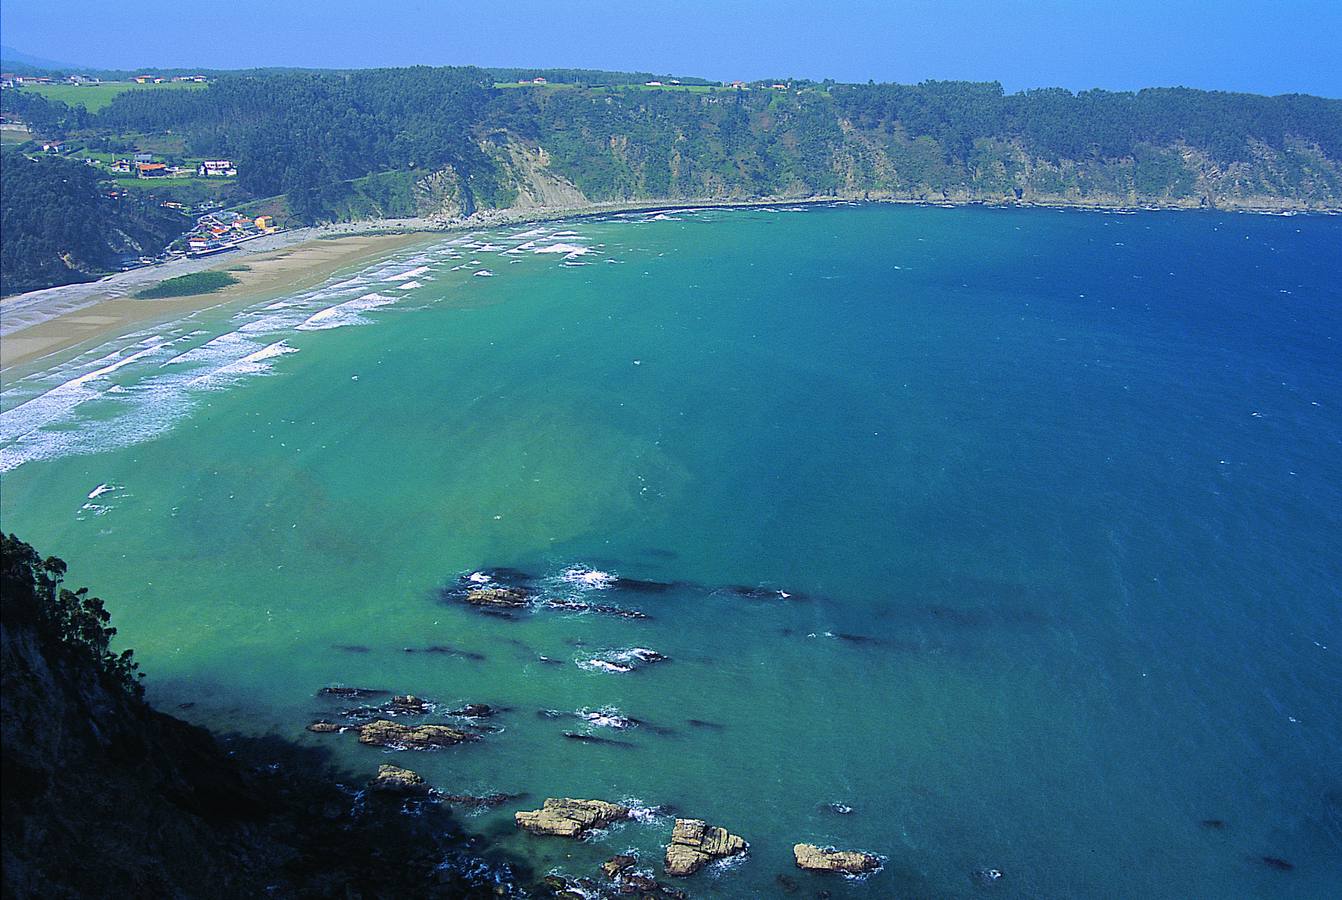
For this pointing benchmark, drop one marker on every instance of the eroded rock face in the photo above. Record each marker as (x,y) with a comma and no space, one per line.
(827,859)
(393,735)
(695,843)
(566,817)
(395,780)
(497,597)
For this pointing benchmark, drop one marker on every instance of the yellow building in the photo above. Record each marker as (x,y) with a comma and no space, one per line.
(265,223)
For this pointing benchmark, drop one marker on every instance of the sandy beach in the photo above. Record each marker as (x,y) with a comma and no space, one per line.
(41,323)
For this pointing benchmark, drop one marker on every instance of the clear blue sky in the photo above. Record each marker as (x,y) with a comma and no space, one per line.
(1278,47)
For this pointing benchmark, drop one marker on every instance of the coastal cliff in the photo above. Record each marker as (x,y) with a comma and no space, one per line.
(104,796)
(1299,179)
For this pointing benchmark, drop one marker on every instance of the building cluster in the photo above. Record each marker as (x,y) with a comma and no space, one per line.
(13,80)
(143,165)
(216,232)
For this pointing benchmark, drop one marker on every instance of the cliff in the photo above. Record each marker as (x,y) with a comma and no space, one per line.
(104,796)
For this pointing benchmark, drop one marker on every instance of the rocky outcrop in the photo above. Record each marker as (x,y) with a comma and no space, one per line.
(827,859)
(395,780)
(395,736)
(497,597)
(612,867)
(566,817)
(695,843)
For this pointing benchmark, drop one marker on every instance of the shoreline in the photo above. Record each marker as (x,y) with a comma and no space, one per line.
(40,325)
(37,325)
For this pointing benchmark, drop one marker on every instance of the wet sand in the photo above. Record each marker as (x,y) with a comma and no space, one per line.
(42,323)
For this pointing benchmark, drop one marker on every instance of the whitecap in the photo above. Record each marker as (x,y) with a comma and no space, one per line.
(403,276)
(584,577)
(566,249)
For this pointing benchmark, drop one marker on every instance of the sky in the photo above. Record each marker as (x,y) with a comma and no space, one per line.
(1260,47)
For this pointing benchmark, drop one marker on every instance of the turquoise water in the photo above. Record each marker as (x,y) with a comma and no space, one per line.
(1057,496)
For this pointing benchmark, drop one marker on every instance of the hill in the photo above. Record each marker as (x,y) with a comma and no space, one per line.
(452,143)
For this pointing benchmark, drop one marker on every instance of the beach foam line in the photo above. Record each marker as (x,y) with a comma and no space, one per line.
(346,313)
(60,401)
(419,270)
(567,249)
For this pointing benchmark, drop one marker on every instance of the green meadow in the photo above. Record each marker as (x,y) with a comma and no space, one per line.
(94,97)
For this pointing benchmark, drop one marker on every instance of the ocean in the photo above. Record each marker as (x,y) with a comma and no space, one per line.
(992,542)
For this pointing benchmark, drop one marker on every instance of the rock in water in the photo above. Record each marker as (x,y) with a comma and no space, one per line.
(384,733)
(695,843)
(395,780)
(497,597)
(566,817)
(617,864)
(409,705)
(827,859)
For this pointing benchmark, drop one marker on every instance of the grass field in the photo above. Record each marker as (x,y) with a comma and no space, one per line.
(94,97)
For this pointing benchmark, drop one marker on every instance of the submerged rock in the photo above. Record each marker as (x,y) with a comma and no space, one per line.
(604,609)
(695,843)
(394,736)
(395,780)
(474,711)
(827,859)
(567,817)
(593,739)
(324,727)
(987,876)
(479,801)
(623,660)
(351,693)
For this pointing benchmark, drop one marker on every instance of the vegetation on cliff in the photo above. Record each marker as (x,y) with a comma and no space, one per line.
(61,226)
(105,797)
(450,142)
(935,140)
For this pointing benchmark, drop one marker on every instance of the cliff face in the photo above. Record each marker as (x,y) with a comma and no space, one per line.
(103,796)
(866,166)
